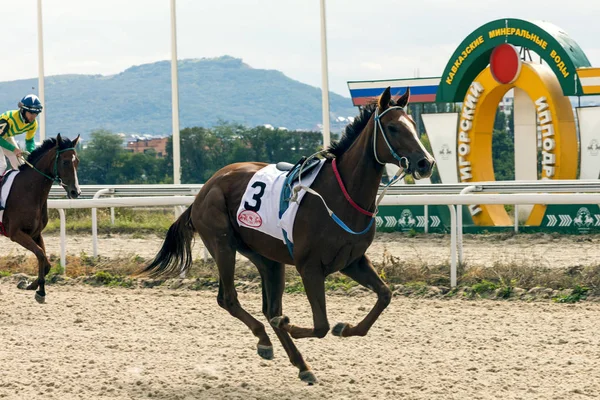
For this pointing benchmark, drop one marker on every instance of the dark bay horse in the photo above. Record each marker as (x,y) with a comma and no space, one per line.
(26,213)
(382,133)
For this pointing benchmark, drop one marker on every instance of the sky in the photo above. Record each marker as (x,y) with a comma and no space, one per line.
(366,40)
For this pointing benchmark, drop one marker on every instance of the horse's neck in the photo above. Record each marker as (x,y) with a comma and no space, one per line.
(359,170)
(40,184)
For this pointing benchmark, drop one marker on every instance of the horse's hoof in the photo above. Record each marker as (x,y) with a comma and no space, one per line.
(339,328)
(265,352)
(39,298)
(23,285)
(279,322)
(308,377)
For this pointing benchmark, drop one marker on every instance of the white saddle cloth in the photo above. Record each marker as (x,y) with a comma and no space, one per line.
(6,186)
(259,208)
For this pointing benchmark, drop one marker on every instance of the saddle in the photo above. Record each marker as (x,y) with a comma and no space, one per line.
(292,177)
(294,169)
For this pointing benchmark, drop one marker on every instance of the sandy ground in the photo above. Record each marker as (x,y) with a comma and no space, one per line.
(534,249)
(114,343)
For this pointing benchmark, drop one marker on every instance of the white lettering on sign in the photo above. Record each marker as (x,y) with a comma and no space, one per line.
(548,141)
(465,126)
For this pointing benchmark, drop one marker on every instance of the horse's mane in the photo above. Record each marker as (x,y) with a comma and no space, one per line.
(39,152)
(352,131)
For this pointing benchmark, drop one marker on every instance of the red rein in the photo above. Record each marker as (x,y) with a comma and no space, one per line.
(339,179)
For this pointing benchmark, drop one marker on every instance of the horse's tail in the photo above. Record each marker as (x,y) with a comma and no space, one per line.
(175,255)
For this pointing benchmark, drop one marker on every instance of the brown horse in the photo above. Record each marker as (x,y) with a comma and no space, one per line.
(382,133)
(26,213)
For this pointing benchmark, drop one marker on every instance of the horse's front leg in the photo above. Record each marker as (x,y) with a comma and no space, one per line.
(362,271)
(314,285)
(38,249)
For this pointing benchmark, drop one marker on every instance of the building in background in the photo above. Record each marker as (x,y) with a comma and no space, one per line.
(145,145)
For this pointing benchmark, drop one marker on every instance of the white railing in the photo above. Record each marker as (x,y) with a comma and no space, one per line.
(450,200)
(542,186)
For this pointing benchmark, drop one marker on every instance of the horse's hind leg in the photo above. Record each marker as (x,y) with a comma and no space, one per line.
(224,255)
(362,271)
(273,285)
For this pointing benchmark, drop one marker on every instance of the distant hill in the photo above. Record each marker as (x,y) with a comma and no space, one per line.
(138,100)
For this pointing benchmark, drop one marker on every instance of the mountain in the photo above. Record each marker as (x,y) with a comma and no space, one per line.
(138,100)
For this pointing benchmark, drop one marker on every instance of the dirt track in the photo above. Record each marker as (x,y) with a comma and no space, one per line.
(92,343)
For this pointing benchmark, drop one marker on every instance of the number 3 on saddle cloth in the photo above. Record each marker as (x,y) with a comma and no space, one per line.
(6,182)
(265,206)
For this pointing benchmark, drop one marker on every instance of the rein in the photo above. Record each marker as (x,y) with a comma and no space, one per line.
(341,183)
(56,177)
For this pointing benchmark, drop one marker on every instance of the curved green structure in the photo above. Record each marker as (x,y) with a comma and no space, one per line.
(555,47)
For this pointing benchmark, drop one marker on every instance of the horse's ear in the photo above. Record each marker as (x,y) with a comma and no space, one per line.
(403,100)
(74,142)
(59,140)
(384,99)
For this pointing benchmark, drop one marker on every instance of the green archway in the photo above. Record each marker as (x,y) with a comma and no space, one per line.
(472,56)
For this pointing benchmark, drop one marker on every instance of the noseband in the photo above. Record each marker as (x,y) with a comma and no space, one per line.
(402,161)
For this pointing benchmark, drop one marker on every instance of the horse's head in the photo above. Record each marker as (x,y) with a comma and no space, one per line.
(400,144)
(65,166)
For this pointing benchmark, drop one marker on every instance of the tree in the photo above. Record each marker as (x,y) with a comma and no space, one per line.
(204,151)
(98,159)
(503,156)
(105,161)
(500,121)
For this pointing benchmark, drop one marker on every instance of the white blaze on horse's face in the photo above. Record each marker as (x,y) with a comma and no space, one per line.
(76,177)
(408,122)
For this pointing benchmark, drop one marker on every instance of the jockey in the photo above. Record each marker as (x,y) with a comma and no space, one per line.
(14,123)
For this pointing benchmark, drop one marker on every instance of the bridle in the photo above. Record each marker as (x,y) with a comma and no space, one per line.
(56,177)
(402,161)
(404,167)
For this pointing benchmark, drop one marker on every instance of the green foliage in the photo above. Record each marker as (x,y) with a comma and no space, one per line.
(578,293)
(138,222)
(503,156)
(295,286)
(500,121)
(105,161)
(203,152)
(417,288)
(56,270)
(483,287)
(505,288)
(108,279)
(332,283)
(339,282)
(5,273)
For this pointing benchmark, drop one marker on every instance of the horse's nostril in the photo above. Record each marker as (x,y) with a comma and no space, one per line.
(423,164)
